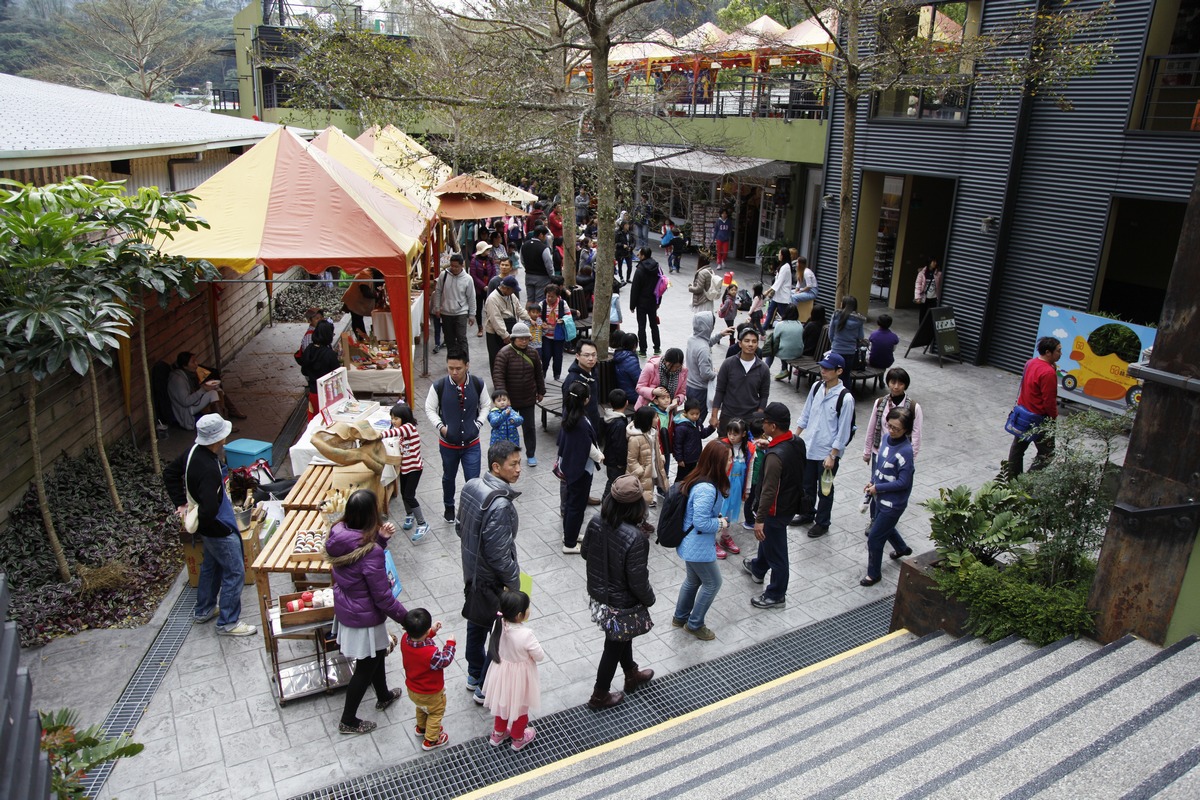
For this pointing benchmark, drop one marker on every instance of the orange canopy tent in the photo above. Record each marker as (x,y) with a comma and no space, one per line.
(284,203)
(466,197)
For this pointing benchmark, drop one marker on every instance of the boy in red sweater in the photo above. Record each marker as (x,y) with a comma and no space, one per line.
(423,665)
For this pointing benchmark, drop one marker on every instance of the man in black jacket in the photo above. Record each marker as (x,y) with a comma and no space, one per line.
(198,476)
(643,301)
(779,499)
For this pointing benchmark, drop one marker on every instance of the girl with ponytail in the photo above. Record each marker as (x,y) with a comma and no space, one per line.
(512,687)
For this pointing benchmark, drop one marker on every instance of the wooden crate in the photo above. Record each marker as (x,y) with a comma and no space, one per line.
(288,618)
(310,489)
(295,557)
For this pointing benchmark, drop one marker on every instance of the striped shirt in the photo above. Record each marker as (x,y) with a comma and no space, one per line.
(410,448)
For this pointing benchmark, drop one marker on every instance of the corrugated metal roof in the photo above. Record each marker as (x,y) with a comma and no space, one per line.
(45,124)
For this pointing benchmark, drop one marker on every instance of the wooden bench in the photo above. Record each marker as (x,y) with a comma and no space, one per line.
(552,401)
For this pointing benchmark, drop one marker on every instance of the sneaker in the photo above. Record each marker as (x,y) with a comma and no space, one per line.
(449,515)
(783,376)
(729,544)
(762,601)
(721,554)
(571,551)
(703,633)
(531,461)
(436,348)
(525,739)
(817,531)
(442,741)
(363,726)
(419,731)
(237,629)
(750,570)
(419,534)
(473,684)
(209,617)
(498,738)
(748,525)
(478,697)
(677,623)
(409,521)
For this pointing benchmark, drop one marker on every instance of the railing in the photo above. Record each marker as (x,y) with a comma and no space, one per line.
(225,99)
(27,772)
(1172,99)
(286,14)
(786,96)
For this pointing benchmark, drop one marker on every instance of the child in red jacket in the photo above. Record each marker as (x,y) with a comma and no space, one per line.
(423,666)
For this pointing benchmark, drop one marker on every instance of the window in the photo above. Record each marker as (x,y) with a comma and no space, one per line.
(1168,96)
(922,47)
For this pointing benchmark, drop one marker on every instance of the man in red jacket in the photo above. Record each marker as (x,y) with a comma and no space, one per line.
(1038,397)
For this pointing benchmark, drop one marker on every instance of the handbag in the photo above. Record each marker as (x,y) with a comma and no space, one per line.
(393,574)
(557,471)
(621,624)
(191,516)
(1021,420)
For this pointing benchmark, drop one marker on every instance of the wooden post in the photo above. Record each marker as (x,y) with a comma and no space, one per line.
(1145,555)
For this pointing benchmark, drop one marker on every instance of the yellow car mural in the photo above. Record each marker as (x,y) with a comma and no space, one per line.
(1102,377)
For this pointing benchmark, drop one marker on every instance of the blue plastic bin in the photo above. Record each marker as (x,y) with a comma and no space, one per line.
(244,452)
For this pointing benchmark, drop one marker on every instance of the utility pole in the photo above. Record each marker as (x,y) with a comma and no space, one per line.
(1144,579)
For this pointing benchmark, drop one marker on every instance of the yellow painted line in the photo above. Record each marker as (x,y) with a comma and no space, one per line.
(615,744)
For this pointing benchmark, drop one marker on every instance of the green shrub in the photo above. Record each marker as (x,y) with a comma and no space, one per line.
(1007,601)
(987,526)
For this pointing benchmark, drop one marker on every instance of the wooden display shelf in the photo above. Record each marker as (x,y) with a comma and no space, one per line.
(279,554)
(310,490)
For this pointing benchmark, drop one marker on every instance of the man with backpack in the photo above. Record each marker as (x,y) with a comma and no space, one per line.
(829,411)
(778,499)
(457,405)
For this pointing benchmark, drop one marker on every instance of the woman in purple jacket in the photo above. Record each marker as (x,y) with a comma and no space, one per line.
(362,600)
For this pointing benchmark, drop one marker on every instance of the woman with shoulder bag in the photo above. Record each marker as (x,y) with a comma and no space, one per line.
(618,582)
(706,488)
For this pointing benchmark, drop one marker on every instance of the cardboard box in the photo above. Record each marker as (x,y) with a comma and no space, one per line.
(193,555)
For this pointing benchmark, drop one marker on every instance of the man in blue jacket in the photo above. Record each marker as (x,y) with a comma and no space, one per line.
(831,417)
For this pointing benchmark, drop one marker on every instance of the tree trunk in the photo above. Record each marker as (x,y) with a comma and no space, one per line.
(100,451)
(849,128)
(566,190)
(606,199)
(149,393)
(39,482)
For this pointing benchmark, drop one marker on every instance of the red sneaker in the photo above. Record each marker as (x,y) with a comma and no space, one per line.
(729,544)
(721,553)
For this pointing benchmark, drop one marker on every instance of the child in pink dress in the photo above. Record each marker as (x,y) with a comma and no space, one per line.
(512,687)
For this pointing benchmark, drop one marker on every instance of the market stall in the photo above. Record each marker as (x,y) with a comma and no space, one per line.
(286,203)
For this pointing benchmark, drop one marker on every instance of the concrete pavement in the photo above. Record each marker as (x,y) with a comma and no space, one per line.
(215,730)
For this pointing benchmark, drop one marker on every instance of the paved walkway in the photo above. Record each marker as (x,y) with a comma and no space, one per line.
(215,730)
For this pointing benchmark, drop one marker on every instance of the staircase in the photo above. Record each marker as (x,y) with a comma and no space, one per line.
(930,717)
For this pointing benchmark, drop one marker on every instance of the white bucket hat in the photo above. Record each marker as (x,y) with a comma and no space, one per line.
(212,428)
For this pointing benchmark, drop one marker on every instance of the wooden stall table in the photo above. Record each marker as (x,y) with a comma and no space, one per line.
(324,669)
(310,488)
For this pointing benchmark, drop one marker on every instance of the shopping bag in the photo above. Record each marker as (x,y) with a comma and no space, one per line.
(393,574)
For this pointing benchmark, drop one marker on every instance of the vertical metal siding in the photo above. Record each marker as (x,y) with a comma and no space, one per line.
(1078,160)
(145,172)
(1073,163)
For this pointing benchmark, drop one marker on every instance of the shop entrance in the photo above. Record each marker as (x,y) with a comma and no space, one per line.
(904,222)
(1139,254)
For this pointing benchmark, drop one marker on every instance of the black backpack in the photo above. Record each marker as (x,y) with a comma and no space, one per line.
(670,518)
(744,300)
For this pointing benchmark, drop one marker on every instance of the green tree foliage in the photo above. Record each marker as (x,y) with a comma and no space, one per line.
(73,752)
(742,12)
(1116,338)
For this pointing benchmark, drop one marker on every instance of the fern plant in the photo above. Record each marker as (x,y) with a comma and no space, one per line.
(988,526)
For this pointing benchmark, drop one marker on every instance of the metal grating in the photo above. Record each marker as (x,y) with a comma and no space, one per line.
(128,710)
(474,764)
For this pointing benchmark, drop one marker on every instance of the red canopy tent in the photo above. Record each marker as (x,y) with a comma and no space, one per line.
(284,203)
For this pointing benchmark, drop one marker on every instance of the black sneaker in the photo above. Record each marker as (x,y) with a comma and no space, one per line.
(817,531)
(802,519)
(449,515)
(750,570)
(762,601)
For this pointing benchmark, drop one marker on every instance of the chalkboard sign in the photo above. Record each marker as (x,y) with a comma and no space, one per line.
(938,330)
